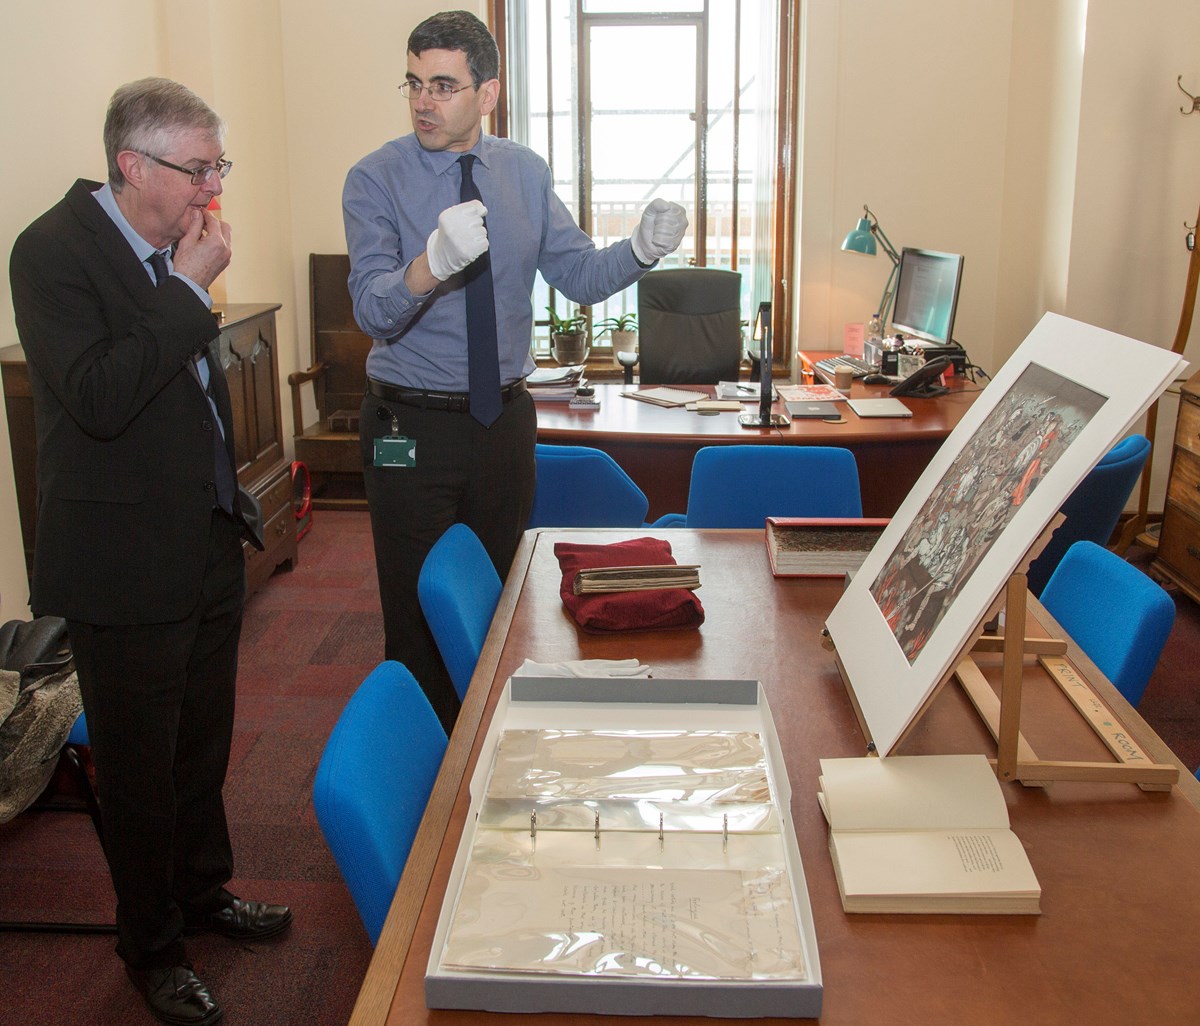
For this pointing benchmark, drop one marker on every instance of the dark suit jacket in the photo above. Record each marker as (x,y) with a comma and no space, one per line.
(124,431)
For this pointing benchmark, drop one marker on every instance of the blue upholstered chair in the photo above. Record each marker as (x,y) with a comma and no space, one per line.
(458,589)
(742,485)
(373,782)
(1113,611)
(582,487)
(1093,509)
(78,738)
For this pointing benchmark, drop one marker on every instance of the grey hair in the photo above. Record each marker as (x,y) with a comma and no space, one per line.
(147,115)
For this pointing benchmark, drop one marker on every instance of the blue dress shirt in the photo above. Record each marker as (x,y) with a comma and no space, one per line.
(391,202)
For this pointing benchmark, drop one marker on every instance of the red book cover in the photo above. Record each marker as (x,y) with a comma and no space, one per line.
(820,546)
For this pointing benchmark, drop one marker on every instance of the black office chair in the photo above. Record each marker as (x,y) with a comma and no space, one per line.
(689,327)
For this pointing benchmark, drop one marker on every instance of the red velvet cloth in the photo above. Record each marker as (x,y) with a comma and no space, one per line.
(658,610)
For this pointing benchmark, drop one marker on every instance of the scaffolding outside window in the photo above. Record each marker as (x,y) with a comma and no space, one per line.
(682,102)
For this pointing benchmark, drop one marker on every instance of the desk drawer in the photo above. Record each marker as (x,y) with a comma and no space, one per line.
(276,495)
(1179,543)
(1184,487)
(279,539)
(1187,427)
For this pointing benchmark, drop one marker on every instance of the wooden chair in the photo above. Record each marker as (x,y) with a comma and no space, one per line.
(329,448)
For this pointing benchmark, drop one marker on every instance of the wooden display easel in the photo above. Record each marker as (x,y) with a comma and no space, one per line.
(1015,758)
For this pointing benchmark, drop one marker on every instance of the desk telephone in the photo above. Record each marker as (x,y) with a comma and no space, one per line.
(926,380)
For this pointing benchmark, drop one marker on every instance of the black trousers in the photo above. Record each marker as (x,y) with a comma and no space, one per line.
(159,700)
(464,473)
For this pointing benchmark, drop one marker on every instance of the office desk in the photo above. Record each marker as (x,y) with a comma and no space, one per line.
(656,445)
(1120,877)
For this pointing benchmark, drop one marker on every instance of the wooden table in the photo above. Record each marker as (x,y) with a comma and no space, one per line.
(1119,871)
(656,445)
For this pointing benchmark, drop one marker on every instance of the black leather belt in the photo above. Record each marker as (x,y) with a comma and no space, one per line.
(454,402)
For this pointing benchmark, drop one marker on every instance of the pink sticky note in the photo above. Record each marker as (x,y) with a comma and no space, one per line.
(852,339)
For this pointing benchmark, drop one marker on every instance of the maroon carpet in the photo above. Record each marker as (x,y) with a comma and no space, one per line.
(1171,704)
(310,636)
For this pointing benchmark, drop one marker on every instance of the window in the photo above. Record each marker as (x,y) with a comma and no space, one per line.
(682,102)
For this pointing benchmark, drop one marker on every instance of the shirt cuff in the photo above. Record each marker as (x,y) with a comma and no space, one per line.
(202,293)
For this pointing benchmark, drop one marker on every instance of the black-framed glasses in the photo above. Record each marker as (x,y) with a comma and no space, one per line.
(198,175)
(440,91)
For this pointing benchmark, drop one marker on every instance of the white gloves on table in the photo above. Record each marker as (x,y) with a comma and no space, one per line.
(584,668)
(660,231)
(458,239)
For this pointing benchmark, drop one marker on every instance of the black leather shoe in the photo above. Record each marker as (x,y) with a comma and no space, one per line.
(177,996)
(248,919)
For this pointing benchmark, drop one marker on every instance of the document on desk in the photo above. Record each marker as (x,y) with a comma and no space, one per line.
(629,850)
(663,396)
(743,391)
(811,393)
(548,913)
(628,853)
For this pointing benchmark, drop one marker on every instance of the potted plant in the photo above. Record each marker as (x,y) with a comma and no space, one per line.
(568,338)
(623,329)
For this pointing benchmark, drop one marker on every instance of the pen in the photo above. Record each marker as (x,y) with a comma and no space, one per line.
(745,388)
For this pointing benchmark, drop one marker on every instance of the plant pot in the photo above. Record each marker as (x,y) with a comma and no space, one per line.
(570,349)
(623,342)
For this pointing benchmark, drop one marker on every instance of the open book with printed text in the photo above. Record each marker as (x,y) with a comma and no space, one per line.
(926,833)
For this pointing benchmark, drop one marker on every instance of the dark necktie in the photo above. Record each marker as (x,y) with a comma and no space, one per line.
(158,263)
(222,470)
(483,354)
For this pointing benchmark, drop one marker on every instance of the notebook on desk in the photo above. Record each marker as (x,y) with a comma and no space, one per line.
(810,408)
(879,407)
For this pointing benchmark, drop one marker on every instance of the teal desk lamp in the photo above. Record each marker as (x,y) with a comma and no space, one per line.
(863,240)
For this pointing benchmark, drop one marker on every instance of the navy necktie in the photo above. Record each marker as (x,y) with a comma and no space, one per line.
(483,354)
(222,470)
(158,263)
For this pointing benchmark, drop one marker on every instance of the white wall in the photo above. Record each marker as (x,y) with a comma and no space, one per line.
(1138,181)
(306,87)
(1040,138)
(56,75)
(909,102)
(1063,173)
(342,64)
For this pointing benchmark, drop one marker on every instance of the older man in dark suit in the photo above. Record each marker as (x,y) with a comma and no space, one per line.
(140,522)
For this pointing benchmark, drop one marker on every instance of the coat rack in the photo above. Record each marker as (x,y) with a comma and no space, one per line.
(1136,526)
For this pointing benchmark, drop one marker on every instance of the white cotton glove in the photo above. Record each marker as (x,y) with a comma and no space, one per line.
(458,239)
(660,231)
(584,668)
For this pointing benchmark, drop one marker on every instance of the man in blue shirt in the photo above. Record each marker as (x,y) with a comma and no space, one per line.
(430,218)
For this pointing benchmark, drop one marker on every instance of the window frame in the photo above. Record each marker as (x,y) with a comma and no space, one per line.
(787,135)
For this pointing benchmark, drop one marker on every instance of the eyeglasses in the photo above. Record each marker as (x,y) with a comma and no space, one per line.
(198,175)
(440,91)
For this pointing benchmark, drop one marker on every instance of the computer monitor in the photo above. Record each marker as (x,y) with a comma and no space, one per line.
(927,294)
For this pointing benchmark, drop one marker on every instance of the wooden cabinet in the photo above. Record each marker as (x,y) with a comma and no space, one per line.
(248,353)
(1178,557)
